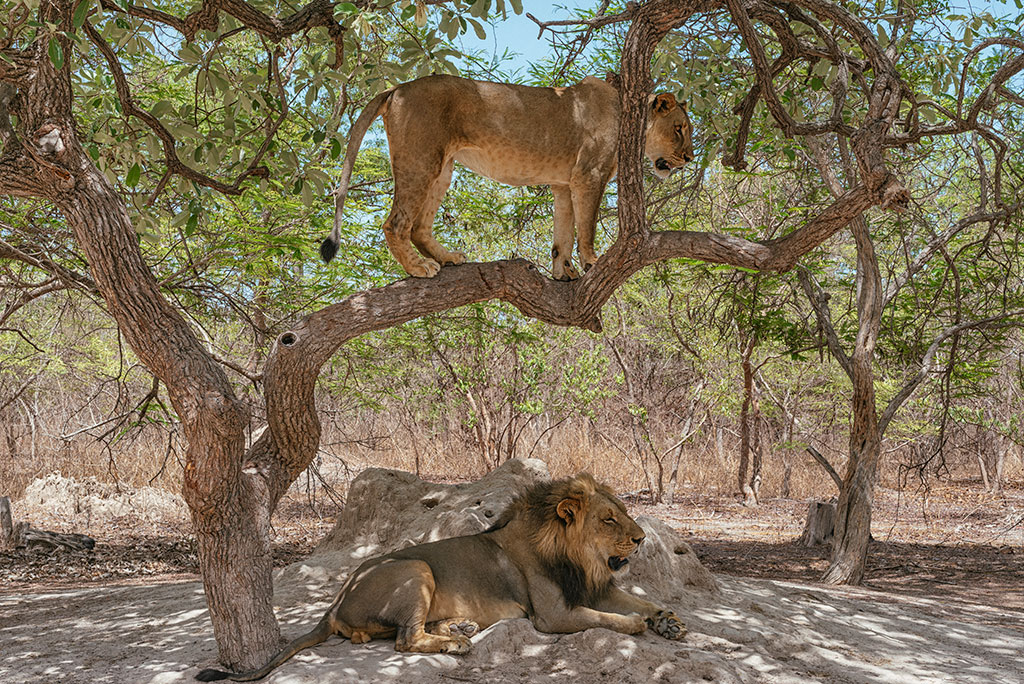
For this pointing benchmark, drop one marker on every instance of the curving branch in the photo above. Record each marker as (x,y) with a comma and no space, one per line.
(174,163)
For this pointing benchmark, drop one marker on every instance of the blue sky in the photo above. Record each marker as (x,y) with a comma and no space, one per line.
(519,34)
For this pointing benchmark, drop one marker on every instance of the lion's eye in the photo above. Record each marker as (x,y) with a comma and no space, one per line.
(610,521)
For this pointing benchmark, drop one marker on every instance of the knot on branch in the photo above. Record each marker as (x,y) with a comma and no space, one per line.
(895,195)
(49,140)
(206,18)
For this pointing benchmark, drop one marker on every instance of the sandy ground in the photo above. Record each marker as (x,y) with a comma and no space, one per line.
(753,631)
(921,628)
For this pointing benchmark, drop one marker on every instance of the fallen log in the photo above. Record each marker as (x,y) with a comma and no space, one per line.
(18,535)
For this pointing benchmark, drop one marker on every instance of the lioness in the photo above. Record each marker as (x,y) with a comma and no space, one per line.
(552,556)
(563,137)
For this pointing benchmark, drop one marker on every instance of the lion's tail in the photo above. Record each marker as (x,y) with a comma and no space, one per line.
(318,634)
(375,108)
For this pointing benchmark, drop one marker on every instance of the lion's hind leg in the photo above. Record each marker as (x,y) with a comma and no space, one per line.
(394,595)
(423,230)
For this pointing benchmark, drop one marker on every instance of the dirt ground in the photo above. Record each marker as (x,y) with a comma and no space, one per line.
(954,559)
(958,543)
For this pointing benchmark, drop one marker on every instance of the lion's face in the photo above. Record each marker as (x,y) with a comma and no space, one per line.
(613,535)
(669,141)
(593,528)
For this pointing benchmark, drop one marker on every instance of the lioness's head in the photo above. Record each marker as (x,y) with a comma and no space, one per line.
(582,533)
(669,134)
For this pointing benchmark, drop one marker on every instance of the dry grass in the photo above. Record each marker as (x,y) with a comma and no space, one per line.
(155,457)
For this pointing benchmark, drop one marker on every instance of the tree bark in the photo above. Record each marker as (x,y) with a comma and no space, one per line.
(820,525)
(750,426)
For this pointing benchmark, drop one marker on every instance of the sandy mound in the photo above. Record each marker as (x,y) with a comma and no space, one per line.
(742,631)
(389,509)
(84,503)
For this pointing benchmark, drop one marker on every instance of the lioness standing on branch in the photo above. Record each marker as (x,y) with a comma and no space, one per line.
(552,556)
(519,135)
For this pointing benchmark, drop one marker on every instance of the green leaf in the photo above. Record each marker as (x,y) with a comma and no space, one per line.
(480,33)
(790,153)
(56,53)
(409,11)
(346,7)
(335,148)
(134,173)
(517,6)
(81,12)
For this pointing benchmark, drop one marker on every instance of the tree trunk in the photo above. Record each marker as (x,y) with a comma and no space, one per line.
(233,544)
(856,497)
(750,415)
(787,455)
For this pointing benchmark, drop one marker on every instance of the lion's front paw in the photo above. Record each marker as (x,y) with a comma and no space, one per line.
(457,645)
(562,269)
(667,624)
(426,268)
(454,259)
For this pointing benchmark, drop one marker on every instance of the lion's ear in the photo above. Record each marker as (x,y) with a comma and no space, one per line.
(568,509)
(664,103)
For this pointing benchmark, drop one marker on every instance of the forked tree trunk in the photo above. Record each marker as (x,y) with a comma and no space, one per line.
(229,511)
(856,496)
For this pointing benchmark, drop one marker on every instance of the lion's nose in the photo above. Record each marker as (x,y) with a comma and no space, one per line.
(687,157)
(637,540)
(661,164)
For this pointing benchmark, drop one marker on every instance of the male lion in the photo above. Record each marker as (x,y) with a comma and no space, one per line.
(552,556)
(563,137)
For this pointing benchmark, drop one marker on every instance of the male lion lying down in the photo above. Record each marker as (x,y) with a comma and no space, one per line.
(563,137)
(552,556)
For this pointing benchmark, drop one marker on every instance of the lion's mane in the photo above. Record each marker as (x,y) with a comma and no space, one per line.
(562,545)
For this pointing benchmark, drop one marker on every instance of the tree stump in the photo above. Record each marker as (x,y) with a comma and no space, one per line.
(821,517)
(6,524)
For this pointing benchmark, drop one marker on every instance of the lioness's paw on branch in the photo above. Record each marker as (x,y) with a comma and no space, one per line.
(425,268)
(667,624)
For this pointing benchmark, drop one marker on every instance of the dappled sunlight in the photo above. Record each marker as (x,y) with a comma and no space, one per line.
(752,629)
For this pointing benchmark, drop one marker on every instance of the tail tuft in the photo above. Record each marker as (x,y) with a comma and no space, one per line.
(328,248)
(211,675)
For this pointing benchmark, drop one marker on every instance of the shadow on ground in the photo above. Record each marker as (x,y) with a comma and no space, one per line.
(753,631)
